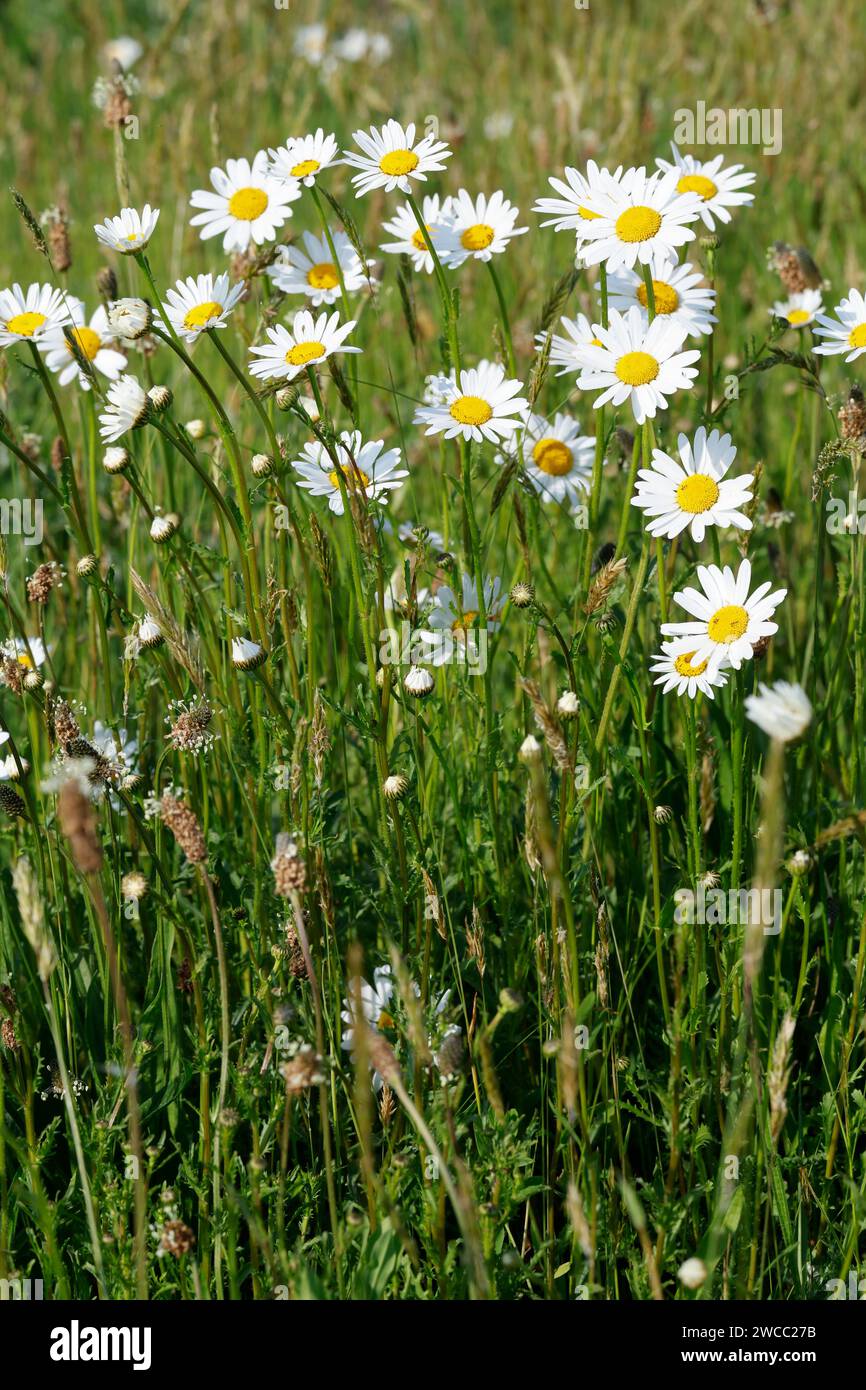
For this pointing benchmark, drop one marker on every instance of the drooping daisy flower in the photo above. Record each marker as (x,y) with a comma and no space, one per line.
(453,633)
(799,309)
(365,469)
(30,654)
(130,231)
(557,458)
(409,237)
(390,158)
(308,341)
(678,290)
(718,189)
(638,363)
(303,157)
(194,305)
(30,317)
(248,204)
(782,710)
(639,218)
(247,655)
(128,409)
(728,620)
(845,333)
(375,1010)
(677,669)
(93,340)
(573,209)
(480,407)
(313,271)
(579,333)
(693,492)
(479,228)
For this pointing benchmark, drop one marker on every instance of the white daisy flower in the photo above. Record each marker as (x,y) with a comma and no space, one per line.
(128,409)
(313,271)
(799,309)
(194,305)
(375,1009)
(479,228)
(308,341)
(30,316)
(573,209)
(718,189)
(728,620)
(364,467)
(479,408)
(638,362)
(557,458)
(247,205)
(845,333)
(782,710)
(564,349)
(303,157)
(453,625)
(93,340)
(130,231)
(30,653)
(390,158)
(676,669)
(247,654)
(694,492)
(409,237)
(310,42)
(639,218)
(679,292)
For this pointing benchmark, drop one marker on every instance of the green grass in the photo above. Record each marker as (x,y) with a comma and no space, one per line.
(540,897)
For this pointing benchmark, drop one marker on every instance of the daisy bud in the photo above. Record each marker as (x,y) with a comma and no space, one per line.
(568,705)
(308,405)
(196,429)
(286,397)
(662,814)
(163,527)
(418,682)
(130,318)
(692,1273)
(799,863)
(510,1001)
(160,398)
(261,465)
(395,787)
(247,655)
(34,680)
(530,750)
(86,566)
(115,459)
(150,634)
(522,595)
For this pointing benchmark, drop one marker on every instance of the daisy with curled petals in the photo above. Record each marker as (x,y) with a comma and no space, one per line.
(304,157)
(564,349)
(678,290)
(128,409)
(718,189)
(557,458)
(314,272)
(637,362)
(677,669)
(845,333)
(453,624)
(195,305)
(307,342)
(248,204)
(130,231)
(638,219)
(93,340)
(29,317)
(693,492)
(728,620)
(479,228)
(365,469)
(799,309)
(390,158)
(409,237)
(479,407)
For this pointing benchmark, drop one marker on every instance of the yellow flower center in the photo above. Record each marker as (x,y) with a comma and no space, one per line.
(856,338)
(638,224)
(587,215)
(25,325)
(470,410)
(637,368)
(553,457)
(202,314)
(697,183)
(464,622)
(248,204)
(302,353)
(384,1020)
(596,342)
(684,667)
(88,342)
(666,298)
(697,493)
(352,474)
(418,240)
(728,623)
(396,163)
(798,316)
(477,237)
(24,659)
(323,276)
(305,168)
(133,236)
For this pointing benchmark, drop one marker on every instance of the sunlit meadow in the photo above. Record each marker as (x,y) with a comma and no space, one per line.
(432,650)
